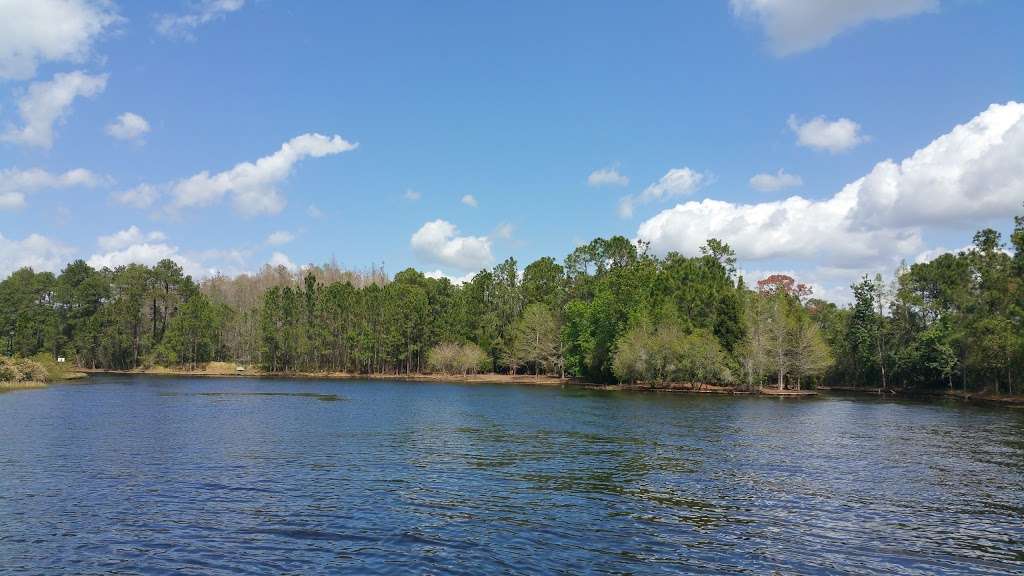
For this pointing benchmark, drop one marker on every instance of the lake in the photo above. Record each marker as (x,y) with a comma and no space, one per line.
(160,475)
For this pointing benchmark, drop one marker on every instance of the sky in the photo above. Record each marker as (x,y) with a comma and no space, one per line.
(820,139)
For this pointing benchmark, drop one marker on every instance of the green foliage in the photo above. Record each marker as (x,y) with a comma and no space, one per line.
(609,312)
(667,354)
(534,339)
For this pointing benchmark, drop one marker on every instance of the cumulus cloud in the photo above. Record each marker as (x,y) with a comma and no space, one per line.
(132,246)
(147,253)
(35,251)
(504,231)
(124,238)
(313,212)
(411,194)
(975,171)
(253,185)
(439,242)
(203,12)
(280,238)
(676,182)
(141,196)
(775,182)
(47,103)
(16,184)
(607,177)
(797,25)
(128,126)
(962,178)
(37,31)
(282,259)
(821,134)
(469,200)
(457,280)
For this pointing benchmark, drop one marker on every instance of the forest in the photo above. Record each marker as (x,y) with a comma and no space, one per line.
(609,312)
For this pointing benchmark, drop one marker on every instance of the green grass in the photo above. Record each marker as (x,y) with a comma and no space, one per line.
(54,370)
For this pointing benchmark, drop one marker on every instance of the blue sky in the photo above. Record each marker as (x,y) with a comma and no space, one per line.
(421,104)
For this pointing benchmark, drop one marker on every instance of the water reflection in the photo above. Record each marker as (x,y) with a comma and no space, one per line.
(216,477)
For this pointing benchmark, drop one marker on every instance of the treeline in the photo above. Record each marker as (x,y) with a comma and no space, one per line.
(609,312)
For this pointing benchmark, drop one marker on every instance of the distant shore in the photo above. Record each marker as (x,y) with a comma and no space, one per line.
(959,395)
(228,370)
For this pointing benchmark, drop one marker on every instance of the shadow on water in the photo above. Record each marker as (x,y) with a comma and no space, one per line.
(314,395)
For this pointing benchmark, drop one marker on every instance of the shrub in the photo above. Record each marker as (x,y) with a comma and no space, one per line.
(452,358)
(21,370)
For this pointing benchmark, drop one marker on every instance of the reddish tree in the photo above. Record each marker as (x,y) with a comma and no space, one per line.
(777,283)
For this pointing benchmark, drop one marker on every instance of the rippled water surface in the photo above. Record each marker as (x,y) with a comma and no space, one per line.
(223,476)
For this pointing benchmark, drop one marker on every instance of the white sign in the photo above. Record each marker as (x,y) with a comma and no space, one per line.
(60,360)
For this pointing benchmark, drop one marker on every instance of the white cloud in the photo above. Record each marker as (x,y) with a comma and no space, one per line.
(607,177)
(11,200)
(128,126)
(37,31)
(775,182)
(124,238)
(281,259)
(203,12)
(469,200)
(142,196)
(280,238)
(411,194)
(146,253)
(821,134)
(504,231)
(975,171)
(797,25)
(438,274)
(676,182)
(35,251)
(438,241)
(313,212)
(963,178)
(227,262)
(933,253)
(253,186)
(792,228)
(47,103)
(16,184)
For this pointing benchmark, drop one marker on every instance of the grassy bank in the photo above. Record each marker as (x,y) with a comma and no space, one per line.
(18,373)
(21,385)
(35,372)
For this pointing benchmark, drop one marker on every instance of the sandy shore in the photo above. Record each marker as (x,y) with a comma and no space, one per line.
(228,370)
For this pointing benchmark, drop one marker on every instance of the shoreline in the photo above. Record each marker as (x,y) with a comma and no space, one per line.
(1014,400)
(221,370)
(458,378)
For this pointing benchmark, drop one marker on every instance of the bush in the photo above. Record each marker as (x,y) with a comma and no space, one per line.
(666,354)
(452,358)
(22,370)
(444,357)
(8,371)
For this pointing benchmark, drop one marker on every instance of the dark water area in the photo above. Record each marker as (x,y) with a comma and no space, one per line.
(154,475)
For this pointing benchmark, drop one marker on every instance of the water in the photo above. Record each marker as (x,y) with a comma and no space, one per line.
(156,475)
